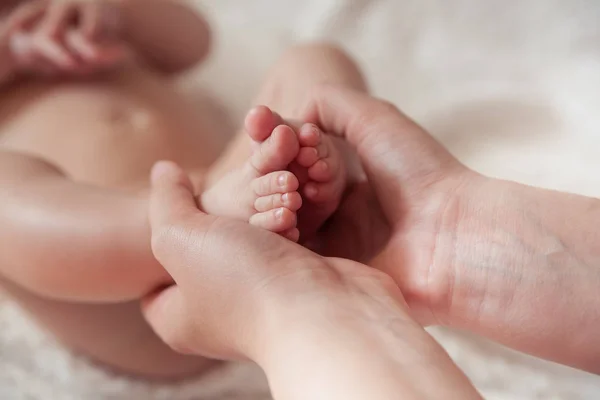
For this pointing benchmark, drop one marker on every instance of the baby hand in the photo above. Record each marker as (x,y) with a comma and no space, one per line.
(50,37)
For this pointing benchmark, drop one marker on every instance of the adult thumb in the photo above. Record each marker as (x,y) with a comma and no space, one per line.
(395,152)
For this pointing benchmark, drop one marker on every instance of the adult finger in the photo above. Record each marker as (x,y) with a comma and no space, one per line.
(395,151)
(166,312)
(177,225)
(172,196)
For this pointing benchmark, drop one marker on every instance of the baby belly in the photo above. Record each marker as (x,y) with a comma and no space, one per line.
(110,132)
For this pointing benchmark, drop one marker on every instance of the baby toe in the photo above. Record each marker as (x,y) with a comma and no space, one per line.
(275,182)
(277,151)
(309,135)
(277,220)
(321,192)
(321,171)
(307,156)
(292,201)
(260,122)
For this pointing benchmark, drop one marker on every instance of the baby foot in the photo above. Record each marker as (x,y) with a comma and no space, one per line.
(319,167)
(261,192)
(322,175)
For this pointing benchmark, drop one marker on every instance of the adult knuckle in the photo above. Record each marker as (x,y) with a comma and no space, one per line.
(385,107)
(378,115)
(322,89)
(162,238)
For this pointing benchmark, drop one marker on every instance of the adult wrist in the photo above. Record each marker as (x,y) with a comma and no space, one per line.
(357,346)
(525,259)
(329,334)
(487,248)
(366,302)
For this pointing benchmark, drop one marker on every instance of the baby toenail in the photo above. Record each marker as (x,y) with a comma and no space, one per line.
(282,180)
(279,213)
(285,197)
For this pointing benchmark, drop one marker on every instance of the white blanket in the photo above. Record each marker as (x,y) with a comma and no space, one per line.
(511,87)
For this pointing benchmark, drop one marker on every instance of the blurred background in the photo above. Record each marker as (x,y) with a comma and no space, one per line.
(512,88)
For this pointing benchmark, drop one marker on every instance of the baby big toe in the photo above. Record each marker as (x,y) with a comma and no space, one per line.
(260,122)
(277,151)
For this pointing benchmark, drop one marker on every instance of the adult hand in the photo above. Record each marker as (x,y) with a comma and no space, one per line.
(244,292)
(514,263)
(230,276)
(403,219)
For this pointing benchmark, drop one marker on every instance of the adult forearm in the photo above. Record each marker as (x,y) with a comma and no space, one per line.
(528,272)
(357,349)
